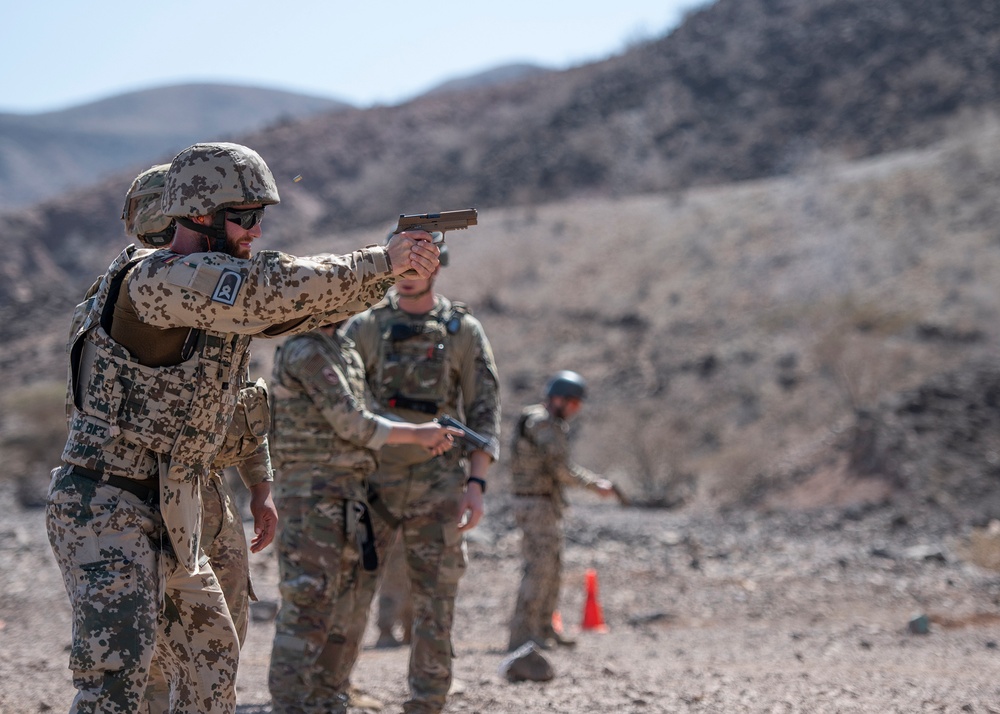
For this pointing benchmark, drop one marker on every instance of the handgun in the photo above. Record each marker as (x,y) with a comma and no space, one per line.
(437,224)
(469,436)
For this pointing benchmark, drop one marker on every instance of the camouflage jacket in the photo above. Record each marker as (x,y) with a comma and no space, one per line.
(421,366)
(320,417)
(138,421)
(540,464)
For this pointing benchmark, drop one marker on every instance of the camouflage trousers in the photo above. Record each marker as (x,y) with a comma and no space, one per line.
(395,606)
(132,601)
(225,544)
(315,644)
(423,502)
(541,551)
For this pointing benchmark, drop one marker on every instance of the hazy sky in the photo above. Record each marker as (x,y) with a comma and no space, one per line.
(57,53)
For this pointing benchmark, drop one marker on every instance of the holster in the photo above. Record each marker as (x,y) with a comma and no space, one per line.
(358,521)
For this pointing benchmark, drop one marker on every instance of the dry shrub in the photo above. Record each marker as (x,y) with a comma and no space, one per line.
(32,433)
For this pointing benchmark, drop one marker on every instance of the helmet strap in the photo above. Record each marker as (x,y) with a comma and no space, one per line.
(215,233)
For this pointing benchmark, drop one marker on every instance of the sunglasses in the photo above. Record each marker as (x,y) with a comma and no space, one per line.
(246,217)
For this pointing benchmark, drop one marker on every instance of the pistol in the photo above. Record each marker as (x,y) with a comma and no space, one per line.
(470,437)
(437,223)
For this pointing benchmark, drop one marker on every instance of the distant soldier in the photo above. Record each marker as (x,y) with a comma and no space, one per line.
(426,356)
(325,441)
(158,354)
(540,469)
(245,448)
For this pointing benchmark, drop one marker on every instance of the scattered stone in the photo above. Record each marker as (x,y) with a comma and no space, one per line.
(926,552)
(263,610)
(919,625)
(526,664)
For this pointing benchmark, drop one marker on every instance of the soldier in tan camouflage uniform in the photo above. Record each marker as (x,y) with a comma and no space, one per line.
(325,441)
(158,353)
(427,356)
(245,448)
(540,470)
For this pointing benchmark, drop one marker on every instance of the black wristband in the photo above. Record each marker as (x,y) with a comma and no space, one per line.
(476,479)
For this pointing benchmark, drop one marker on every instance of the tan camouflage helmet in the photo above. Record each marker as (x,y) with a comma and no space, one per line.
(205,178)
(144,220)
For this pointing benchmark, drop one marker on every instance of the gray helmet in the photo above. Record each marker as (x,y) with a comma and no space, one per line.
(566,384)
(206,178)
(142,215)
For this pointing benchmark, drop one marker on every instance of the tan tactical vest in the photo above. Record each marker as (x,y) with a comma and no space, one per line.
(412,372)
(123,412)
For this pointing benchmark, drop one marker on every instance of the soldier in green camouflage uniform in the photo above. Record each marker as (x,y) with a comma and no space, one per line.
(158,352)
(324,441)
(427,356)
(540,470)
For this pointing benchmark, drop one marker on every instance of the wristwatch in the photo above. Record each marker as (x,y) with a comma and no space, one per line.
(476,479)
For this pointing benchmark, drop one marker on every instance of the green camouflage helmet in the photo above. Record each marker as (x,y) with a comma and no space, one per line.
(142,215)
(206,178)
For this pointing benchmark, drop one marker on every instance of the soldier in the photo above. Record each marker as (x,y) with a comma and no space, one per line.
(426,356)
(158,352)
(245,448)
(540,469)
(325,441)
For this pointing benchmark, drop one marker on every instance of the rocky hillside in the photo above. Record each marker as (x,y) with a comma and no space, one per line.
(745,234)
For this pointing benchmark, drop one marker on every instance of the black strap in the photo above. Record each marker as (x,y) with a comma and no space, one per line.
(149,495)
(414,405)
(365,535)
(378,505)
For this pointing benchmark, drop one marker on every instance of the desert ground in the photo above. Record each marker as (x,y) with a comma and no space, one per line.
(767,610)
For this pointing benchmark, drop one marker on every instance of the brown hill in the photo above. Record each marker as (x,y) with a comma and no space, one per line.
(730,332)
(42,155)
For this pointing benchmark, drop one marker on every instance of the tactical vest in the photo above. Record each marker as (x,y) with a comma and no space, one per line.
(181,411)
(415,358)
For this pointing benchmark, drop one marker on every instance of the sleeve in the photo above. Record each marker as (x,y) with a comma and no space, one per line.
(324,383)
(480,385)
(272,293)
(256,468)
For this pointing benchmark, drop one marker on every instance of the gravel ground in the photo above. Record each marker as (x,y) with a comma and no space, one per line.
(707,612)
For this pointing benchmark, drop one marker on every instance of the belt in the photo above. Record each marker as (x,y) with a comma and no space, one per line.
(149,494)
(414,405)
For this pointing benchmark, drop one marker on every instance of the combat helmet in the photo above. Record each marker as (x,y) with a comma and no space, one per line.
(204,179)
(566,384)
(144,219)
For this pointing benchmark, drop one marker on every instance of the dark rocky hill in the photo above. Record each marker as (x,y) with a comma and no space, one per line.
(746,234)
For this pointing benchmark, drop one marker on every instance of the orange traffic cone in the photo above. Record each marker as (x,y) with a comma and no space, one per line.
(557,625)
(593,619)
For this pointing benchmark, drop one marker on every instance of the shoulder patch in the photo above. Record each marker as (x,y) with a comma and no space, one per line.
(227,287)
